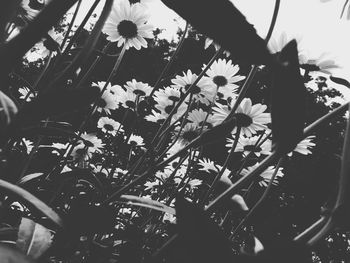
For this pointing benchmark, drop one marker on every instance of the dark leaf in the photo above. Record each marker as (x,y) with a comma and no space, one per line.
(340,81)
(288,103)
(223,22)
(200,240)
(29,177)
(31,201)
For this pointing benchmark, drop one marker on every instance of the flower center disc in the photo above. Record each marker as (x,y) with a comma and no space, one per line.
(243,120)
(101,103)
(194,90)
(127,29)
(108,127)
(220,81)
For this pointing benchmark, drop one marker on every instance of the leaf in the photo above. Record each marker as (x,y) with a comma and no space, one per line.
(288,102)
(8,108)
(29,177)
(223,22)
(9,255)
(147,203)
(239,202)
(31,201)
(199,240)
(33,239)
(340,81)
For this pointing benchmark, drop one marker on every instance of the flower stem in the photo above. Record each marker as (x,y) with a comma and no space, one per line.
(222,170)
(171,61)
(260,201)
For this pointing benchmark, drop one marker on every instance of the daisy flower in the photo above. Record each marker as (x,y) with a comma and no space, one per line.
(265,175)
(24,94)
(110,126)
(324,63)
(155,117)
(28,144)
(194,183)
(198,116)
(93,143)
(203,92)
(188,133)
(108,101)
(207,165)
(304,146)
(144,3)
(136,140)
(223,75)
(138,88)
(127,25)
(166,107)
(59,147)
(247,145)
(250,118)
(167,94)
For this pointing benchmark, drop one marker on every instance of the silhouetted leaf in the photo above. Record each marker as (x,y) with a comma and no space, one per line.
(33,239)
(340,81)
(146,202)
(31,201)
(223,22)
(200,240)
(288,104)
(29,177)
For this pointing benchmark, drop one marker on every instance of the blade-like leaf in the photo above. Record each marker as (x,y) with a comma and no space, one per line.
(340,81)
(223,22)
(147,203)
(7,108)
(288,102)
(31,201)
(29,177)
(33,239)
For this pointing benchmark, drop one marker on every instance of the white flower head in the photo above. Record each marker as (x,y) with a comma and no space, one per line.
(127,25)
(26,94)
(109,126)
(304,146)
(203,91)
(266,175)
(223,75)
(251,144)
(108,101)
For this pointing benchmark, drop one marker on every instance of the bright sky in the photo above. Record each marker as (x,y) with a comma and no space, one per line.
(317,24)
